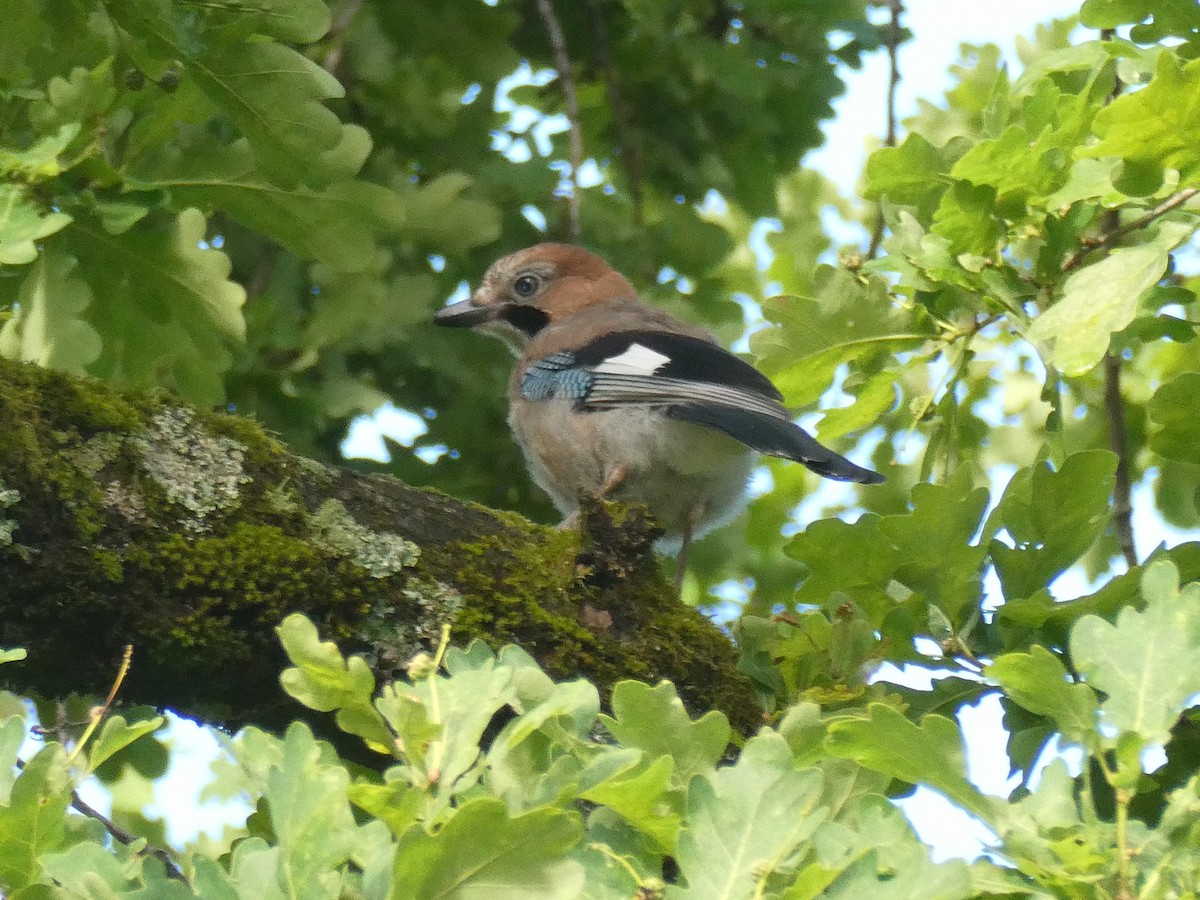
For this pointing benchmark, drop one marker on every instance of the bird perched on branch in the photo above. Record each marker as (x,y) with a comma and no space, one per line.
(614,398)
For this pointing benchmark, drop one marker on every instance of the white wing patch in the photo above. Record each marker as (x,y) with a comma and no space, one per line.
(636,360)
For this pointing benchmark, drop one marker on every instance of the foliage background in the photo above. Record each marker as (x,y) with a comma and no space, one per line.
(259,204)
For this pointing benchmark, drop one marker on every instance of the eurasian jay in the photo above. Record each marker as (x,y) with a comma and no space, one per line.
(614,398)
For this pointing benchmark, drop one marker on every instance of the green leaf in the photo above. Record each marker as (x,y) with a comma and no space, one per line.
(446,213)
(440,721)
(927,551)
(41,160)
(290,21)
(115,735)
(12,735)
(654,719)
(163,304)
(306,798)
(15,655)
(854,559)
(846,320)
(1157,126)
(1147,664)
(576,703)
(481,852)
(1052,518)
(638,788)
(22,224)
(872,852)
(337,224)
(1175,407)
(1038,681)
(745,820)
(1015,165)
(48,327)
(913,174)
(396,803)
(967,218)
(937,558)
(271,93)
(930,753)
(33,821)
(1102,298)
(871,401)
(91,872)
(324,680)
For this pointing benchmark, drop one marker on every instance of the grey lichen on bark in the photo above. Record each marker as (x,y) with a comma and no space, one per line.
(128,518)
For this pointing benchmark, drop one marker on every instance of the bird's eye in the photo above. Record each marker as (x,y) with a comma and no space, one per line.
(527,285)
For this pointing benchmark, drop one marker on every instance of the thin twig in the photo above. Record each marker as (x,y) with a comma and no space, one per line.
(120,834)
(1114,405)
(1113,235)
(97,714)
(889,140)
(562,62)
(128,837)
(622,117)
(337,35)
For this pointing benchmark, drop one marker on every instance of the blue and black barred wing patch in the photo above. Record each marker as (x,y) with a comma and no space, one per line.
(557,376)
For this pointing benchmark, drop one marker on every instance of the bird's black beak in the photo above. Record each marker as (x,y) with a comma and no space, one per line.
(465,314)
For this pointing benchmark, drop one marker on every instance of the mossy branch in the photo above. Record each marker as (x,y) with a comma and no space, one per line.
(133,519)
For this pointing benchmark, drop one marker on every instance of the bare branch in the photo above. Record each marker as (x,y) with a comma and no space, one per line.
(889,140)
(128,837)
(562,62)
(120,834)
(622,119)
(336,38)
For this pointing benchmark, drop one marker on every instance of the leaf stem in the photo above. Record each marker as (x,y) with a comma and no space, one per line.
(97,714)
(1124,887)
(433,769)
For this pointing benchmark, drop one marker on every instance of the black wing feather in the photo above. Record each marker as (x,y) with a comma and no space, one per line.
(775,437)
(698,382)
(691,359)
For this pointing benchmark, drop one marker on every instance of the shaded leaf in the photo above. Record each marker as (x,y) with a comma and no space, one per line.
(1102,298)
(1148,663)
(482,852)
(930,753)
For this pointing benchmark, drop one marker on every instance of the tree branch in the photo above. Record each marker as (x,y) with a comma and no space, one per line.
(1114,234)
(562,62)
(127,837)
(889,140)
(120,834)
(1114,406)
(192,534)
(336,37)
(626,133)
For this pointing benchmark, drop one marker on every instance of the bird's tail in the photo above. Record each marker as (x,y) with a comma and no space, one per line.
(775,437)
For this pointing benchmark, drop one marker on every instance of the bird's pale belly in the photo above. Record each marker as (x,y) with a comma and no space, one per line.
(679,470)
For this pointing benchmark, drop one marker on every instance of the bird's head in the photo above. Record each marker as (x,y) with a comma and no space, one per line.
(526,291)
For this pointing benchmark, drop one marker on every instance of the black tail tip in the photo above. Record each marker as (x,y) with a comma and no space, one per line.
(844,470)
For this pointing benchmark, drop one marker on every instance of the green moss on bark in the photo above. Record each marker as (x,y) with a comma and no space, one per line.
(116,540)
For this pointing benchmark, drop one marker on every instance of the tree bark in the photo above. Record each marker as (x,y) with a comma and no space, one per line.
(132,519)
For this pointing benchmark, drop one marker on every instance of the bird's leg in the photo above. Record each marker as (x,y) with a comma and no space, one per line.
(612,481)
(689,527)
